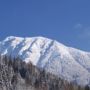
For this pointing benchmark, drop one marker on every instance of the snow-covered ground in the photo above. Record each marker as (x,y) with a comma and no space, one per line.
(66,62)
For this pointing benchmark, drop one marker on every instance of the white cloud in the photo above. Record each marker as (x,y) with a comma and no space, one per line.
(78,26)
(85,34)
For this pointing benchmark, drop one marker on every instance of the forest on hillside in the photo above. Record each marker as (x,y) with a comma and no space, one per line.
(15,74)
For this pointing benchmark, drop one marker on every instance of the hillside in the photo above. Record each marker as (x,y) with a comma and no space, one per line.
(17,75)
(65,62)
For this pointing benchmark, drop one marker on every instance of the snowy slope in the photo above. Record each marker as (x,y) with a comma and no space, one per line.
(66,62)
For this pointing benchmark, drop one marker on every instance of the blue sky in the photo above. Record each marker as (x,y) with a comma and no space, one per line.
(67,21)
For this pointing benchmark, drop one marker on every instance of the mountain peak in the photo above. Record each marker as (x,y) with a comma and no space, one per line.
(56,58)
(15,37)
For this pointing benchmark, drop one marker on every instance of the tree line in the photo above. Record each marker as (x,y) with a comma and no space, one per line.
(15,73)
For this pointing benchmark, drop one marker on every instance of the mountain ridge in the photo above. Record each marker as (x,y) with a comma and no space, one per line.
(67,62)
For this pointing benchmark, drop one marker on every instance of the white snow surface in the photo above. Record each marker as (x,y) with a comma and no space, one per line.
(68,63)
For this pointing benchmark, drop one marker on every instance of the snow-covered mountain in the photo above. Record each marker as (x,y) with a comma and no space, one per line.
(56,58)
